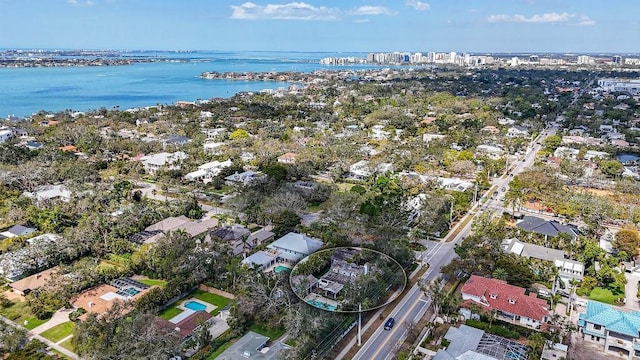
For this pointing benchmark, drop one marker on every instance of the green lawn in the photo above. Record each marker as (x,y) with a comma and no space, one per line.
(217,300)
(604,295)
(19,313)
(170,312)
(67,345)
(273,334)
(59,331)
(152,282)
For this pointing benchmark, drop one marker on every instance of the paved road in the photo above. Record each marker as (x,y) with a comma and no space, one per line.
(383,343)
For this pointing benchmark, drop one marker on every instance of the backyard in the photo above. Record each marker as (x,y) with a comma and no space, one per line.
(219,301)
(605,296)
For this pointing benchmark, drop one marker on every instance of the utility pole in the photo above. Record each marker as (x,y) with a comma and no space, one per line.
(359,324)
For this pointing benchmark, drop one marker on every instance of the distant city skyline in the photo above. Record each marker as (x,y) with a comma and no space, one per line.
(499,26)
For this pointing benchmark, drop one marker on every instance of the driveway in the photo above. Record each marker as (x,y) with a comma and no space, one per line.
(631,291)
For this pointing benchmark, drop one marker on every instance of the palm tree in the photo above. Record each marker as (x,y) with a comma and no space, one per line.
(500,273)
(435,291)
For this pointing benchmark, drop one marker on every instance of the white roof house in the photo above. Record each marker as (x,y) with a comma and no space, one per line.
(362,169)
(208,171)
(454,184)
(212,147)
(169,161)
(244,178)
(50,192)
(5,134)
(517,131)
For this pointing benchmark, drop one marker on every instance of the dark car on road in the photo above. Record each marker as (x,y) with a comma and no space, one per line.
(389,324)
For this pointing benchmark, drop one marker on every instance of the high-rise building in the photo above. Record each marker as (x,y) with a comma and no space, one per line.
(584,60)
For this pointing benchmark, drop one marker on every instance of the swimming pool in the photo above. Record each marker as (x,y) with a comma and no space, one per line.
(321,305)
(281,268)
(132,291)
(195,306)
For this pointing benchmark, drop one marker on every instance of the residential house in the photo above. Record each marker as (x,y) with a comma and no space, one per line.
(190,325)
(213,133)
(363,170)
(546,227)
(50,192)
(99,299)
(206,172)
(567,269)
(508,301)
(35,281)
(237,236)
(518,131)
(303,285)
(566,153)
(5,134)
(491,130)
(469,343)
(493,152)
(164,160)
(17,230)
(153,233)
(454,184)
(293,247)
(175,140)
(245,178)
(212,147)
(617,329)
(429,137)
(254,346)
(288,158)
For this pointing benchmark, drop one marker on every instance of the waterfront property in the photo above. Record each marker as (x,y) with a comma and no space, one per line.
(508,301)
(618,330)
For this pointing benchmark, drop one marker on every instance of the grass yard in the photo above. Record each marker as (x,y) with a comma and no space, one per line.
(67,344)
(604,295)
(170,312)
(152,282)
(219,301)
(273,334)
(19,313)
(59,331)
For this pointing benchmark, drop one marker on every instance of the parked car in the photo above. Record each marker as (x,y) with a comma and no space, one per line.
(389,324)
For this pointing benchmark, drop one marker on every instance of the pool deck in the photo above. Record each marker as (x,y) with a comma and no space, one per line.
(320,299)
(186,312)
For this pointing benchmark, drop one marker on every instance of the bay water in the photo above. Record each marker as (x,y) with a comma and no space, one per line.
(24,91)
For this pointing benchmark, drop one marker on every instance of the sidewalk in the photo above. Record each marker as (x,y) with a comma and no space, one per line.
(49,343)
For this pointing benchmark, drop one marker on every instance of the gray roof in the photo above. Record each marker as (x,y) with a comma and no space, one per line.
(261,236)
(532,251)
(230,233)
(298,243)
(463,339)
(247,347)
(545,227)
(20,230)
(259,258)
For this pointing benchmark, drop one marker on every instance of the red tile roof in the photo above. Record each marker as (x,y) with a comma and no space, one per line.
(191,322)
(526,306)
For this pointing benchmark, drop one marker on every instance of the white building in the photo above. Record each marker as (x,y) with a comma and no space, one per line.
(362,170)
(5,134)
(50,192)
(208,171)
(620,85)
(164,160)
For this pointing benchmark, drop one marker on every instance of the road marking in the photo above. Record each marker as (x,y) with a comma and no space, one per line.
(375,355)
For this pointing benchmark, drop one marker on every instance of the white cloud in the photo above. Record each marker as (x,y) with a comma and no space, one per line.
(373,10)
(290,11)
(544,18)
(586,21)
(81,3)
(418,5)
(361,21)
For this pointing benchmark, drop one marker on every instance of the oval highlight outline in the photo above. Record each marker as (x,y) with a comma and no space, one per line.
(392,299)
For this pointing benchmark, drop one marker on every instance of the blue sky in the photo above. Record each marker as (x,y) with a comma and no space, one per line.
(332,25)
